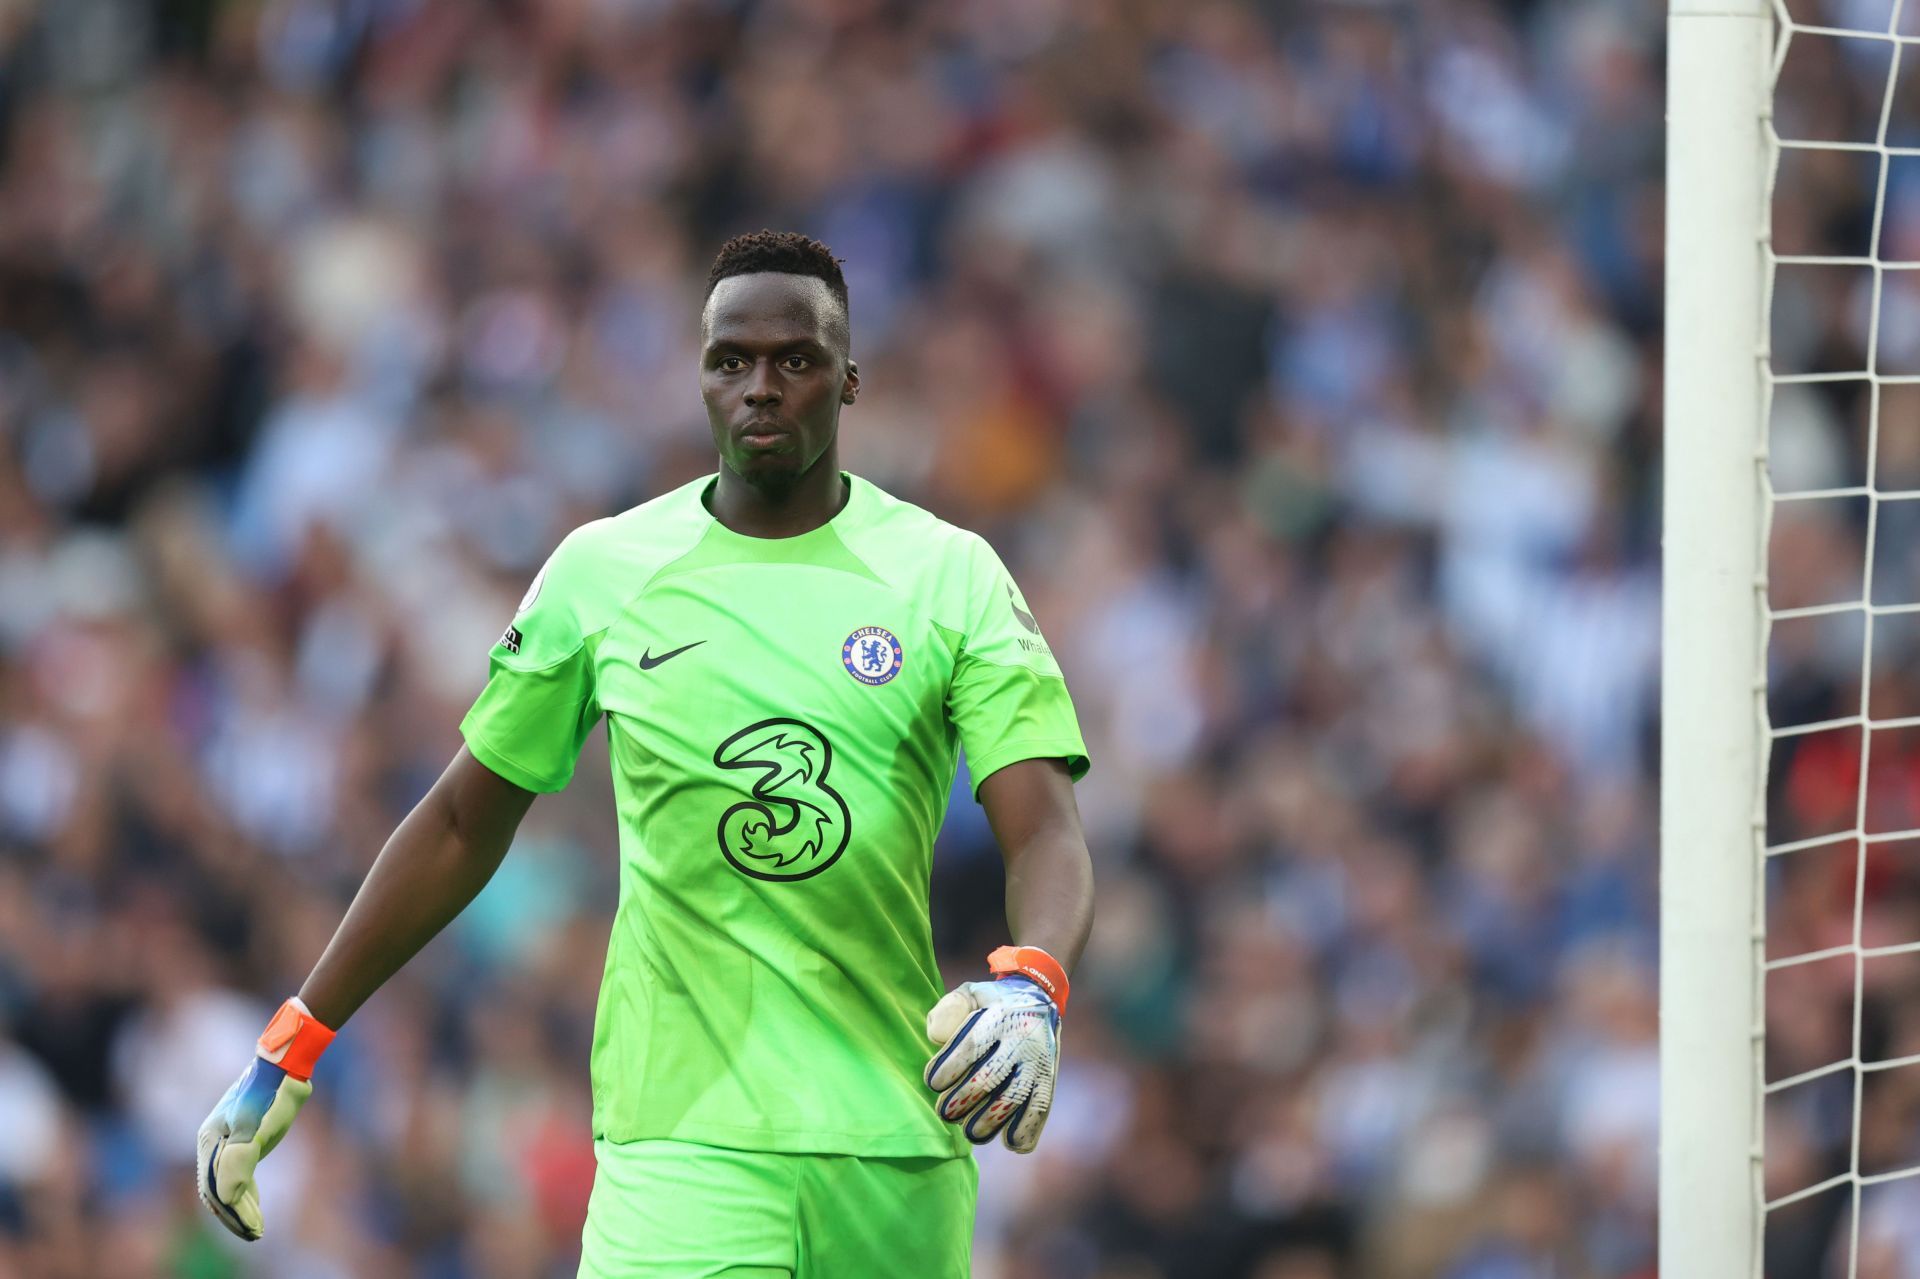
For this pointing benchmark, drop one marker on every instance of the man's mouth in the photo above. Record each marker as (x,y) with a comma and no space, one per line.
(763,434)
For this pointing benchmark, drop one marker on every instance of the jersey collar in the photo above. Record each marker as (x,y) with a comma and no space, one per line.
(859,494)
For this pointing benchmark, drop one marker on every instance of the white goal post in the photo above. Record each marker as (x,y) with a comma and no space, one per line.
(1713,692)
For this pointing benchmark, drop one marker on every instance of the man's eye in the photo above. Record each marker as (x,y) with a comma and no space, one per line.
(733,363)
(797,362)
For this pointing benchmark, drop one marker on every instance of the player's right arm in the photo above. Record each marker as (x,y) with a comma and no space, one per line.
(523,735)
(435,862)
(437,859)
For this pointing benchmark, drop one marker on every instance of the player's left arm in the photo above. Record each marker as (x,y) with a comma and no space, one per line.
(1000,1039)
(1034,817)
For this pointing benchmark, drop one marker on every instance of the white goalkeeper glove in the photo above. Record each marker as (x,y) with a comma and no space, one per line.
(996,1071)
(254,1115)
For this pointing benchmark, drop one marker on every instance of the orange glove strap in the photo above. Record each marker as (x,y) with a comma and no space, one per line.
(293,1040)
(1031,961)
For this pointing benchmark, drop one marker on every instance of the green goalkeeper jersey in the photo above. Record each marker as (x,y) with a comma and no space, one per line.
(784,717)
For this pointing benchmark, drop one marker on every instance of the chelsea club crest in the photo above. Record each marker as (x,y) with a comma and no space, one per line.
(871,655)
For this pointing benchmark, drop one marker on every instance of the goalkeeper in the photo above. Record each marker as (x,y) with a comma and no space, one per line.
(789,661)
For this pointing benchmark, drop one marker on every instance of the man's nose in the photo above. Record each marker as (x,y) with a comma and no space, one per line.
(763,387)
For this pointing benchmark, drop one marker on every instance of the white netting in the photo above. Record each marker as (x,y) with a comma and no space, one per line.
(1838,816)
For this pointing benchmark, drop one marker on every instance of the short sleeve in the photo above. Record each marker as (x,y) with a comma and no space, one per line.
(539,704)
(1008,698)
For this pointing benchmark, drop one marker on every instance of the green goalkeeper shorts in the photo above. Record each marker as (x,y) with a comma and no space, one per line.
(676,1208)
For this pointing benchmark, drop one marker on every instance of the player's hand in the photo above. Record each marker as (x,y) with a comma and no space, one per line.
(1001,1050)
(254,1115)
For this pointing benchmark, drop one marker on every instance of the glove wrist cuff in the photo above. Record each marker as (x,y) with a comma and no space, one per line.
(294,1040)
(1035,964)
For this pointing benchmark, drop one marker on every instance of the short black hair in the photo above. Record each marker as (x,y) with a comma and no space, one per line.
(787,252)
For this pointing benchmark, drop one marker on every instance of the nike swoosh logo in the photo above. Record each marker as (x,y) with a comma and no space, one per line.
(648,661)
(1026,618)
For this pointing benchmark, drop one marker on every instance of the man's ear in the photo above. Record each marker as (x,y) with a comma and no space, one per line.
(852,389)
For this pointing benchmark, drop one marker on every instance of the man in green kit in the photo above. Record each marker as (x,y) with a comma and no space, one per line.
(789,661)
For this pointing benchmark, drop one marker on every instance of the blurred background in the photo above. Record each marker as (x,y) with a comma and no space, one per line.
(1302,360)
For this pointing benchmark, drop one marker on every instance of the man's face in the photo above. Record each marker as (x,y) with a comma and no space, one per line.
(773,373)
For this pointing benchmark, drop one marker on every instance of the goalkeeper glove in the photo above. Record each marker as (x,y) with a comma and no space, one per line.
(255,1114)
(1002,1048)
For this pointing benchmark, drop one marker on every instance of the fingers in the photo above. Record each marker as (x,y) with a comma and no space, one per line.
(962,1055)
(247,1208)
(987,1076)
(947,1016)
(998,1106)
(1023,1130)
(234,1186)
(234,1204)
(233,1167)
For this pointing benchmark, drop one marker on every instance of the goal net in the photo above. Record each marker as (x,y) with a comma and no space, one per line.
(1791,696)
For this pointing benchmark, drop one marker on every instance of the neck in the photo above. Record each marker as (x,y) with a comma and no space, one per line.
(784,510)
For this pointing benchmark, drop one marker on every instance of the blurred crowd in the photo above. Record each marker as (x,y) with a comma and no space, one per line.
(1302,361)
